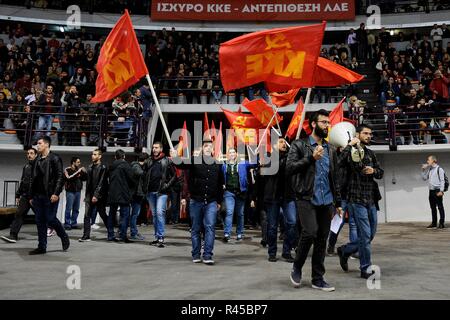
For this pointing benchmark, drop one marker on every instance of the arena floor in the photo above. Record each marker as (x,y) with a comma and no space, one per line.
(414,264)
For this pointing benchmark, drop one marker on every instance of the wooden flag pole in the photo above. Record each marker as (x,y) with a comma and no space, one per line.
(159,110)
(302,119)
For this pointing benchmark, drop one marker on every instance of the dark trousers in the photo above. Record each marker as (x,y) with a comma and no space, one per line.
(315,222)
(436,201)
(89,211)
(22,210)
(46,217)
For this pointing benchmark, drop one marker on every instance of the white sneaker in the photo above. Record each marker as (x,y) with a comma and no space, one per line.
(196,260)
(95,226)
(50,232)
(208,261)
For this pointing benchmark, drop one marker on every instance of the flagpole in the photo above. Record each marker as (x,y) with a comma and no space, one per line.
(159,110)
(302,119)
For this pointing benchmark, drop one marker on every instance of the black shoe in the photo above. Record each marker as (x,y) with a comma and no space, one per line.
(296,277)
(273,259)
(37,251)
(432,226)
(366,275)
(67,228)
(263,243)
(330,250)
(226,239)
(322,285)
(84,239)
(153,243)
(160,243)
(113,240)
(287,257)
(65,243)
(75,227)
(343,260)
(441,226)
(127,240)
(10,239)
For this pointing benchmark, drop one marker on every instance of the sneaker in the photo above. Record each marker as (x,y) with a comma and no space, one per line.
(160,243)
(432,226)
(263,243)
(272,259)
(127,240)
(354,256)
(50,232)
(37,251)
(137,237)
(366,275)
(113,240)
(226,239)
(74,227)
(209,261)
(95,226)
(196,260)
(288,257)
(296,277)
(330,251)
(67,227)
(65,243)
(239,238)
(154,242)
(322,285)
(441,226)
(10,239)
(84,239)
(343,260)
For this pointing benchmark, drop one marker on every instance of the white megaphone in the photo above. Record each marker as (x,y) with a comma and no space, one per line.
(340,136)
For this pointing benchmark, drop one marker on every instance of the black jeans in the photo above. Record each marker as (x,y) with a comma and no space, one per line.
(88,212)
(436,201)
(46,217)
(315,222)
(22,210)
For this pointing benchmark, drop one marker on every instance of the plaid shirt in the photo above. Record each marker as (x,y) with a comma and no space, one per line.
(361,187)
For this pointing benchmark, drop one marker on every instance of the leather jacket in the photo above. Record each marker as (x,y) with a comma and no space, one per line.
(302,166)
(53,174)
(24,186)
(97,182)
(168,175)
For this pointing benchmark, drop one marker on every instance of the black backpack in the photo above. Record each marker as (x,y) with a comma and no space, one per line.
(445,180)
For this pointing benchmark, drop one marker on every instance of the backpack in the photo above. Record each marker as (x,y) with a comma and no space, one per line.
(445,180)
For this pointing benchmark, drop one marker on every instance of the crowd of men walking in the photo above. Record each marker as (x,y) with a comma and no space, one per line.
(313,183)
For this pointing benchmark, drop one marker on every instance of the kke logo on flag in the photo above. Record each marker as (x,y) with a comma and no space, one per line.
(281,60)
(119,68)
(239,122)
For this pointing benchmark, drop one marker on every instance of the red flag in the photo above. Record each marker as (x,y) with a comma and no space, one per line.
(183,142)
(242,120)
(218,142)
(337,114)
(284,99)
(262,111)
(120,64)
(331,74)
(206,126)
(285,56)
(293,126)
(213,130)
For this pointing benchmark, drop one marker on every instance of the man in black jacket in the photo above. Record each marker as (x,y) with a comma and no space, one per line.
(74,177)
(96,193)
(314,165)
(46,184)
(22,198)
(363,194)
(206,193)
(120,185)
(158,180)
(137,195)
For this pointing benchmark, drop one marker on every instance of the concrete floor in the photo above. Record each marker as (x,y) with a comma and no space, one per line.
(414,264)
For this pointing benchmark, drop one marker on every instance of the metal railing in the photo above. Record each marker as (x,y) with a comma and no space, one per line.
(79,128)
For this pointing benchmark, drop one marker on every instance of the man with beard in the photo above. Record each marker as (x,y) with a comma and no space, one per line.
(96,193)
(158,178)
(313,164)
(22,198)
(362,194)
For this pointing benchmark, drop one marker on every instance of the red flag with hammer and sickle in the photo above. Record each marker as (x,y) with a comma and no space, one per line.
(262,111)
(120,64)
(285,57)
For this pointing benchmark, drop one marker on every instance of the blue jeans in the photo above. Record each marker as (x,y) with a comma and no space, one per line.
(158,205)
(352,235)
(124,220)
(72,208)
(366,223)
(203,214)
(233,203)
(46,217)
(135,211)
(290,220)
(45,123)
